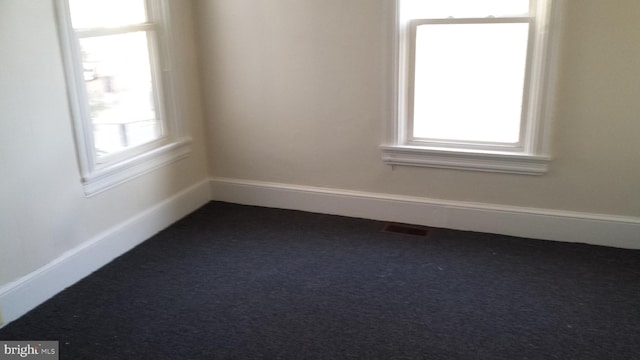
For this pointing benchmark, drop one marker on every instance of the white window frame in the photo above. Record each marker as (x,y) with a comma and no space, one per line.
(531,155)
(100,174)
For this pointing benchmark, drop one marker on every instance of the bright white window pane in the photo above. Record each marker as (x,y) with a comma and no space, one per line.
(469,81)
(120,89)
(107,13)
(429,9)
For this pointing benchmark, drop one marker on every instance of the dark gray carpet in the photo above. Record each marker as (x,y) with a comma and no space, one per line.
(240,282)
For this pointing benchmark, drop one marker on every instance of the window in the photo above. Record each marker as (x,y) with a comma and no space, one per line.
(473,85)
(119,81)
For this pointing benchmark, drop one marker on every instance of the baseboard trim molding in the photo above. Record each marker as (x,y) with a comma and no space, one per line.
(24,294)
(566,226)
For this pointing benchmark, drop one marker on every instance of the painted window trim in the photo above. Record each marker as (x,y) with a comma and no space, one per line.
(533,155)
(98,175)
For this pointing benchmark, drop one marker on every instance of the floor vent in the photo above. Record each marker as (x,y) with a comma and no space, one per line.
(406,229)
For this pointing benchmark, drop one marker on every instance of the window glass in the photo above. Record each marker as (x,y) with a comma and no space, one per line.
(469,81)
(119,87)
(107,13)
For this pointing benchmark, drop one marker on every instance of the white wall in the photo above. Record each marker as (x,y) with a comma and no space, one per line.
(44,212)
(299,92)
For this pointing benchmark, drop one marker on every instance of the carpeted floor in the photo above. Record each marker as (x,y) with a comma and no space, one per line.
(240,282)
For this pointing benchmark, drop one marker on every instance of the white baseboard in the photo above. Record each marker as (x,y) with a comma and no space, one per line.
(24,294)
(596,229)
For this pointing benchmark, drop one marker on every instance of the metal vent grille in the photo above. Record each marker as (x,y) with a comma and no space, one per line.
(405,229)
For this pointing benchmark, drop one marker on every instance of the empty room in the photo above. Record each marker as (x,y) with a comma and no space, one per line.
(319,179)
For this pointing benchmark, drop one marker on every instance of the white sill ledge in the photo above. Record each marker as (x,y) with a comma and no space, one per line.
(116,174)
(500,162)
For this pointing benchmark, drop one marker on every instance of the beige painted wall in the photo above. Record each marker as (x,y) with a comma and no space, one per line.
(43,208)
(299,92)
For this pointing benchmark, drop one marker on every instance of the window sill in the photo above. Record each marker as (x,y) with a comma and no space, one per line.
(500,162)
(107,177)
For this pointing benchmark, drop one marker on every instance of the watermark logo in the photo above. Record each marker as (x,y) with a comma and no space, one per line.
(29,350)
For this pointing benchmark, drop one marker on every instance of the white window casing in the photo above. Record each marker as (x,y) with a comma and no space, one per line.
(100,173)
(531,153)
